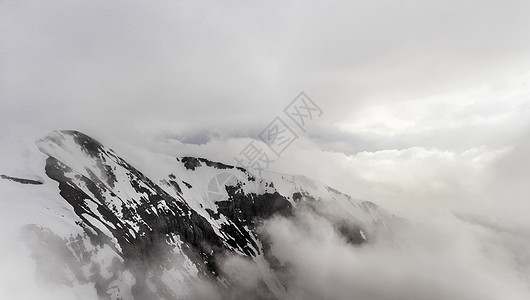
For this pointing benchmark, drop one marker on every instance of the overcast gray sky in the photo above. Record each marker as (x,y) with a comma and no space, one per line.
(426,103)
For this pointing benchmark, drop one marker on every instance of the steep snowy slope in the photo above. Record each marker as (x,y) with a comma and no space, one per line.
(157,238)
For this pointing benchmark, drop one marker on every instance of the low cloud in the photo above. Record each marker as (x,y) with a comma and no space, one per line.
(445,258)
(22,278)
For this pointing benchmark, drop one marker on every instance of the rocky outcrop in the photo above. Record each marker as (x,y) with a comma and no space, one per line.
(21,180)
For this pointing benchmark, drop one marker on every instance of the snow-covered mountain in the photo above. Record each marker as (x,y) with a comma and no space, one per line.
(95,219)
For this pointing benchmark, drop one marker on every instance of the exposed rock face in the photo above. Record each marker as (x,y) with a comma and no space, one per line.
(155,239)
(21,180)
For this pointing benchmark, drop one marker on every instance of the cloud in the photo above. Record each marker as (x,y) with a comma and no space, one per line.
(19,278)
(443,258)
(166,67)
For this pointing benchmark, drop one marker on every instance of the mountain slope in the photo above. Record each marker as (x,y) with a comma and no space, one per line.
(134,236)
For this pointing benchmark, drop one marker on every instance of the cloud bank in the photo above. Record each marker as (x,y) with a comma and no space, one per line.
(444,258)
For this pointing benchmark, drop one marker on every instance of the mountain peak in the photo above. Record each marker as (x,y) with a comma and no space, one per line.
(186,220)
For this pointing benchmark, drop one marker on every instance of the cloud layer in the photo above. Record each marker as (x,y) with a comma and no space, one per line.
(445,258)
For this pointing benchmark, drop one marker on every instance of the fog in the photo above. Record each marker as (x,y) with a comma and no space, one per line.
(444,258)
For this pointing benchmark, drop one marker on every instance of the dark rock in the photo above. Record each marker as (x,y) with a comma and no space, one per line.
(21,180)
(187,184)
(191,162)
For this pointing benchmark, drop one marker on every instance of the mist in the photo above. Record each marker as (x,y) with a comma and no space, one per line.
(444,258)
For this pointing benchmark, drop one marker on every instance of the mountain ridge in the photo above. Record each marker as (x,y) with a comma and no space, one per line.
(157,237)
